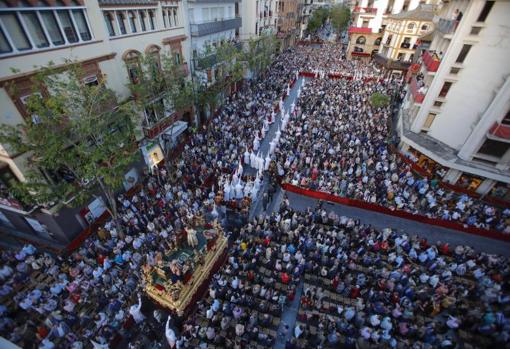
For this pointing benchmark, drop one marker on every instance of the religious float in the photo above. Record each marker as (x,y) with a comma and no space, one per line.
(181,275)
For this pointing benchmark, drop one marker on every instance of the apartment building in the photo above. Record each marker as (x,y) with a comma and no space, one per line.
(107,37)
(259,17)
(287,23)
(368,24)
(456,114)
(402,37)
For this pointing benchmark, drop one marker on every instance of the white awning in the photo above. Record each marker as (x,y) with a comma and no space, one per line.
(177,129)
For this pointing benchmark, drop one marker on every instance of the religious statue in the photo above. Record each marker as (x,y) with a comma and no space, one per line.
(191,235)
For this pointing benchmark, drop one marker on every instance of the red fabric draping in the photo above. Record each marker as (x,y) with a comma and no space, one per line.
(500,130)
(397,213)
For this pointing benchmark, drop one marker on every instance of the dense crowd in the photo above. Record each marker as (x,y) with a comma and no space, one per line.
(339,143)
(335,142)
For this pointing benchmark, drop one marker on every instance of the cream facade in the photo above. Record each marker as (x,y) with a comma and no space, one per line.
(402,37)
(368,24)
(457,108)
(259,17)
(106,37)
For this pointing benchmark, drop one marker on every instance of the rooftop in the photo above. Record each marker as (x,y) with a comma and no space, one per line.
(421,13)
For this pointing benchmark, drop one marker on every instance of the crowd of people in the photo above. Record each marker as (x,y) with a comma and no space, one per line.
(366,288)
(335,141)
(339,143)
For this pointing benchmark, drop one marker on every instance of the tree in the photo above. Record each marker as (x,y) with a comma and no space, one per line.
(225,64)
(317,19)
(340,16)
(260,52)
(79,140)
(160,90)
(379,100)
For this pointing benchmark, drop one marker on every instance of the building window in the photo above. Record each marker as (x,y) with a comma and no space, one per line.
(410,26)
(445,89)
(35,29)
(151,20)
(122,24)
(132,60)
(438,104)
(485,11)
(406,43)
(81,23)
(377,41)
(52,28)
(463,53)
(176,20)
(454,71)
(424,27)
(16,33)
(109,23)
(142,20)
(361,40)
(5,47)
(475,30)
(494,148)
(429,120)
(67,26)
(132,21)
(164,19)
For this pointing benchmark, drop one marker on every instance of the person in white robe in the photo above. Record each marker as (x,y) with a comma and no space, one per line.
(246,157)
(226,191)
(170,334)
(239,191)
(267,163)
(135,312)
(252,159)
(256,143)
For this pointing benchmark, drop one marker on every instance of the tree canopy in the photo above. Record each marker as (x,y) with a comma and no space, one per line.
(340,16)
(78,138)
(379,100)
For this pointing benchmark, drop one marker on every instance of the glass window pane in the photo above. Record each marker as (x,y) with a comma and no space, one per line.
(4,44)
(35,29)
(151,19)
(81,23)
(142,20)
(120,19)
(132,21)
(52,28)
(109,24)
(16,32)
(68,26)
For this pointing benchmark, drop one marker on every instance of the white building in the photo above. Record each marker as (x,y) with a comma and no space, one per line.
(369,23)
(107,37)
(457,109)
(259,17)
(212,21)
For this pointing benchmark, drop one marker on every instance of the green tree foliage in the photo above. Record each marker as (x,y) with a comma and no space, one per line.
(78,139)
(317,19)
(379,100)
(260,52)
(340,16)
(161,86)
(226,61)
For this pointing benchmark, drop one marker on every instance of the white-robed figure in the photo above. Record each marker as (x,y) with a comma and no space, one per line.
(292,107)
(247,188)
(246,158)
(253,161)
(191,235)
(278,135)
(226,191)
(239,191)
(256,143)
(135,312)
(261,163)
(170,334)
(267,162)
(232,192)
(256,186)
(265,124)
(281,104)
(272,146)
(288,89)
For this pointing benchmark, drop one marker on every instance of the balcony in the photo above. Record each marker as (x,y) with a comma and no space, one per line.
(360,30)
(431,61)
(447,26)
(500,131)
(417,96)
(405,45)
(201,29)
(365,9)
